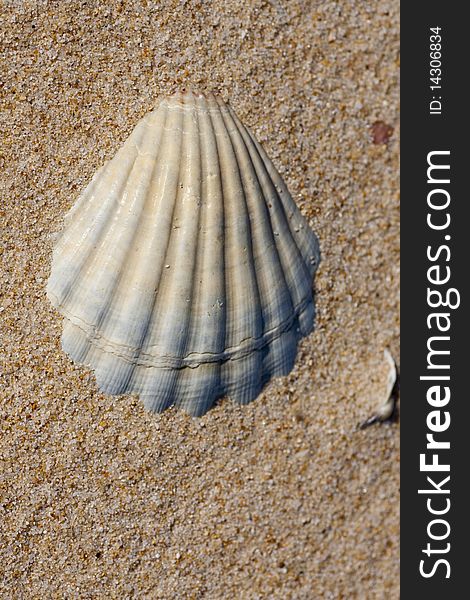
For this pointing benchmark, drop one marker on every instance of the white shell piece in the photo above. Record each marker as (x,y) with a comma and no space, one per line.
(185,269)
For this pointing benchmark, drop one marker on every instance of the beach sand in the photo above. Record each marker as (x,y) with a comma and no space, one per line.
(284,498)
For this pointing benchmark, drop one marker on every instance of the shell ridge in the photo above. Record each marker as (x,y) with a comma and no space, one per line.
(106,313)
(288,250)
(58,257)
(162,390)
(269,265)
(240,379)
(200,246)
(237,151)
(177,290)
(102,223)
(307,242)
(73,226)
(114,292)
(210,279)
(195,253)
(302,275)
(242,285)
(228,275)
(84,198)
(154,309)
(206,328)
(99,322)
(183,249)
(167,379)
(276,184)
(181,383)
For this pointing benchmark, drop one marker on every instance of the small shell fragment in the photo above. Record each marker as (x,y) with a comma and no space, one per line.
(184,272)
(386,408)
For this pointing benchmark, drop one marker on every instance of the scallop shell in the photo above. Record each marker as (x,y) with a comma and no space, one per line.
(184,271)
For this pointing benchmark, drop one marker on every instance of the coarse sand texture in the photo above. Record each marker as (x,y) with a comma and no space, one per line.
(284,498)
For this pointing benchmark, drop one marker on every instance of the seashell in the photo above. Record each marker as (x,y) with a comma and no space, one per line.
(184,272)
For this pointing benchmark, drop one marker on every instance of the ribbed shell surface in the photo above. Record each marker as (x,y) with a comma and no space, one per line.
(185,269)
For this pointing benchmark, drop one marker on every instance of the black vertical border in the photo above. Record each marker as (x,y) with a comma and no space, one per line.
(420,134)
